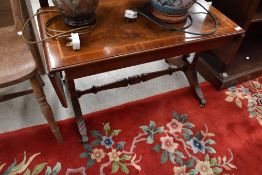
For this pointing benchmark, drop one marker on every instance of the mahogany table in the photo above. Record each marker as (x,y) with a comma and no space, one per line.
(116,43)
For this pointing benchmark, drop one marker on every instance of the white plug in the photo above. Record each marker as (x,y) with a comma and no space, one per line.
(75,41)
(130,14)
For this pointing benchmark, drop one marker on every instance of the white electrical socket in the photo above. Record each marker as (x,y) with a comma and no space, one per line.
(75,41)
(130,14)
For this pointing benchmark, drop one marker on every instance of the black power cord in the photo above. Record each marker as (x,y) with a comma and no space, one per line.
(59,33)
(80,31)
(144,12)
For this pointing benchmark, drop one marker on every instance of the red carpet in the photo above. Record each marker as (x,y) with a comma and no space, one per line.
(164,134)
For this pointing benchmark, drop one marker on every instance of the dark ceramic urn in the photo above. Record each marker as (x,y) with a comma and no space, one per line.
(77,13)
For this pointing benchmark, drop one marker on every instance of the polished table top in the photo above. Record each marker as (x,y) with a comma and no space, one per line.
(114,37)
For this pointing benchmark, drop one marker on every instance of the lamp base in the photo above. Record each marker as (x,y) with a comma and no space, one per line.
(172,19)
(80,21)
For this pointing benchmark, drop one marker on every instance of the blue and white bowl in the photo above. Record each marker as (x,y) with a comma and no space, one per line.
(172,7)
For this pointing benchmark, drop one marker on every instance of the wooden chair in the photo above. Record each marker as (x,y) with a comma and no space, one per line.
(17,65)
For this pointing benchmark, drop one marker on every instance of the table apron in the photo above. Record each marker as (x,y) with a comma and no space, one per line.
(145,57)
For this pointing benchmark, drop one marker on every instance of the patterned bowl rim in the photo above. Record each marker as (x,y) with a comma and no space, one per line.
(168,10)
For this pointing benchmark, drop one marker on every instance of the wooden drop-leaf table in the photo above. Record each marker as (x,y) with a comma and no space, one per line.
(116,43)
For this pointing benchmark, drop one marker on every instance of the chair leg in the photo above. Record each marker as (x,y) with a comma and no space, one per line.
(45,108)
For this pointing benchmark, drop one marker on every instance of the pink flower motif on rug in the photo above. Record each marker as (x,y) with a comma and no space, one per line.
(204,168)
(168,144)
(180,170)
(98,155)
(175,126)
(114,155)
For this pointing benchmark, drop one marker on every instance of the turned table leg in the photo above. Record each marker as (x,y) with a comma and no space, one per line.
(45,108)
(190,73)
(56,81)
(77,110)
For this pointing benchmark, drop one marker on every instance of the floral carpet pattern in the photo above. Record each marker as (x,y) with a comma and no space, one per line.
(177,144)
(248,94)
(166,134)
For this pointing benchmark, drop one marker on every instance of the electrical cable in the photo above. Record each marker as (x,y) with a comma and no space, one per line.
(87,29)
(60,34)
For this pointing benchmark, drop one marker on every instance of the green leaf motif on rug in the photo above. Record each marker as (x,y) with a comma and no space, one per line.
(157,148)
(210,142)
(217,170)
(96,134)
(124,168)
(193,172)
(150,139)
(164,157)
(125,157)
(38,168)
(179,154)
(57,168)
(120,145)
(48,171)
(189,125)
(10,168)
(115,132)
(28,172)
(90,163)
(115,167)
(179,161)
(213,162)
(107,128)
(84,155)
(210,149)
(190,163)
